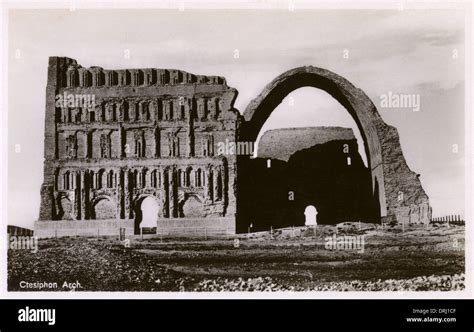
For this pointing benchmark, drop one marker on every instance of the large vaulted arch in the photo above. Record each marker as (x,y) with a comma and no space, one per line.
(390,174)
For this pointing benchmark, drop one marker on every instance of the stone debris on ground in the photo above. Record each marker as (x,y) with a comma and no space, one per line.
(267,284)
(414,259)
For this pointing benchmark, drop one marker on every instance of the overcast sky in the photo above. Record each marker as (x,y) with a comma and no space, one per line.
(408,51)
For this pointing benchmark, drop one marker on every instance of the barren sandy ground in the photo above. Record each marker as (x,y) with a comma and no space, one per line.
(413,258)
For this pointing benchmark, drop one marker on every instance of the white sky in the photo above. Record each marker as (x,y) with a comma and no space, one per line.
(407,51)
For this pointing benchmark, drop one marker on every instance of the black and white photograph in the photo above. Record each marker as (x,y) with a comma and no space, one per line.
(270,149)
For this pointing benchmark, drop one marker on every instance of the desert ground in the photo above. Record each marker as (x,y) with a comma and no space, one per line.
(410,258)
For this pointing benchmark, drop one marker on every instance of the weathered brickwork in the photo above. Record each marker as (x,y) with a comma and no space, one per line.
(149,133)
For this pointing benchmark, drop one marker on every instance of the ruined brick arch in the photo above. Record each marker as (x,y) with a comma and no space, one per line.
(384,155)
(103,207)
(191,205)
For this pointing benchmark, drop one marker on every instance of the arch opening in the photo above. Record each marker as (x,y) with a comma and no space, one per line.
(310,214)
(308,107)
(363,114)
(260,109)
(146,215)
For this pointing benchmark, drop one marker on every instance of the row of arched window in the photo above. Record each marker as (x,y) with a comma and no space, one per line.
(69,180)
(108,145)
(185,178)
(96,77)
(133,111)
(102,179)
